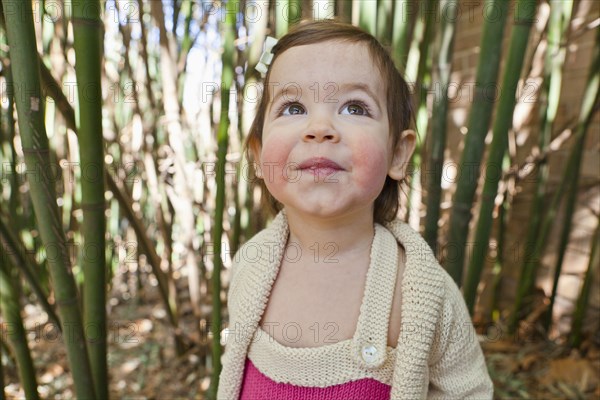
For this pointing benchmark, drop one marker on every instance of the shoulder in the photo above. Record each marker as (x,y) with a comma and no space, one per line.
(430,297)
(422,270)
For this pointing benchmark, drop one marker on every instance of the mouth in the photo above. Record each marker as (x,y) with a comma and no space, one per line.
(320,166)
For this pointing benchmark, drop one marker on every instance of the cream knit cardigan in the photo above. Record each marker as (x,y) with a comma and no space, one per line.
(438,355)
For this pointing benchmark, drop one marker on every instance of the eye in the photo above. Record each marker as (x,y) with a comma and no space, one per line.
(291,109)
(356,107)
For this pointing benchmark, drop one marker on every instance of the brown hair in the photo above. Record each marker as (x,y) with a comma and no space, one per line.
(399,107)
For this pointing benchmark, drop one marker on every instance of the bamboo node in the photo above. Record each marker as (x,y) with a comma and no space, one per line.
(101,205)
(95,23)
(66,302)
(35,151)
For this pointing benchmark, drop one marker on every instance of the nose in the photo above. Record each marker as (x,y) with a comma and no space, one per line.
(321,130)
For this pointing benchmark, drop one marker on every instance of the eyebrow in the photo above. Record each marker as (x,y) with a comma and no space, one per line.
(348,87)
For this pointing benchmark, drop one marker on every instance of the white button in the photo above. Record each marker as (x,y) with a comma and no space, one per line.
(369,353)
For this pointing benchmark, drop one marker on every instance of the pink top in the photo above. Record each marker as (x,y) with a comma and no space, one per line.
(257,386)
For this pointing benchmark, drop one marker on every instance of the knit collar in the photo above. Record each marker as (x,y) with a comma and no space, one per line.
(259,264)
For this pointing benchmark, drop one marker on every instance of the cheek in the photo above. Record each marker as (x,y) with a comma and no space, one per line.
(372,162)
(275,150)
(273,160)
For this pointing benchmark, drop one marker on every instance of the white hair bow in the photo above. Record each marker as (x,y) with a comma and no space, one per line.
(266,56)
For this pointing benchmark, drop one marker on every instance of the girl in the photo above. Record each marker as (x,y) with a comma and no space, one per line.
(337,299)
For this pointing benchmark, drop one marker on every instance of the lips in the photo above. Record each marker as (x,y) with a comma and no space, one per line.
(320,166)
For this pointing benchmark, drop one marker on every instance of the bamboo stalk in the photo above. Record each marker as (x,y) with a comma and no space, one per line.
(16,335)
(146,247)
(88,31)
(560,15)
(186,42)
(584,295)
(344,10)
(2,384)
(145,243)
(281,18)
(435,160)
(573,170)
(419,71)
(384,18)
(26,75)
(498,269)
(368,16)
(519,39)
(401,33)
(144,55)
(14,199)
(179,141)
(294,12)
(15,249)
(227,77)
(479,120)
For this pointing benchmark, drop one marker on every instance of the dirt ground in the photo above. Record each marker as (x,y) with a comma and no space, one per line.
(143,363)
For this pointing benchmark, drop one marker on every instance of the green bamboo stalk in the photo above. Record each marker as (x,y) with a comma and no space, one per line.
(137,224)
(281,17)
(14,248)
(217,233)
(186,45)
(344,10)
(497,270)
(16,335)
(419,71)
(147,248)
(88,32)
(401,33)
(525,11)
(26,75)
(294,12)
(144,55)
(384,21)
(13,201)
(186,42)
(2,384)
(573,170)
(222,142)
(53,89)
(560,16)
(584,295)
(178,140)
(368,16)
(479,120)
(435,161)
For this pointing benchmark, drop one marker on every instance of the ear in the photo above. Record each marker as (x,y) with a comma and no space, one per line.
(402,153)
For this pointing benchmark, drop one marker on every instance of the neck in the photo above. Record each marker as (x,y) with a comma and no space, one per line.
(337,237)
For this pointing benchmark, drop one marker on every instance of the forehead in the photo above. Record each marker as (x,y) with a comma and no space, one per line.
(328,62)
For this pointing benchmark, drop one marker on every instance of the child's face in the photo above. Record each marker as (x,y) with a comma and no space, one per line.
(326,143)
